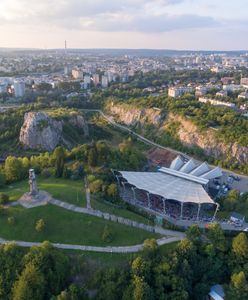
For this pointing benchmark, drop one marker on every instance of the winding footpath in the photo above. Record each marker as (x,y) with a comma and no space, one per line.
(111,249)
(169,236)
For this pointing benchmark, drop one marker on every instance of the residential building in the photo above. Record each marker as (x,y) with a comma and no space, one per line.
(232,87)
(221,93)
(179,91)
(19,88)
(87,81)
(96,79)
(243,95)
(201,90)
(77,74)
(216,102)
(105,81)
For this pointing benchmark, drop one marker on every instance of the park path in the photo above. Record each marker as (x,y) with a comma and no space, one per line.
(117,219)
(109,249)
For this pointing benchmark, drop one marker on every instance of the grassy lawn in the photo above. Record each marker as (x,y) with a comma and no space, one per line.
(63,226)
(105,207)
(63,189)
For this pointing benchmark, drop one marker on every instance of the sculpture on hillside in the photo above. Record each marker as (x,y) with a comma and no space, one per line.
(32,183)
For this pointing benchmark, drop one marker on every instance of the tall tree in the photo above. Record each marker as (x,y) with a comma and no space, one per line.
(59,156)
(30,284)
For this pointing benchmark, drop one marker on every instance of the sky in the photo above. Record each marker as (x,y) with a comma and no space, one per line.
(152,24)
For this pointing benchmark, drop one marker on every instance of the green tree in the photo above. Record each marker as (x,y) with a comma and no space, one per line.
(112,190)
(12,169)
(239,252)
(4,198)
(2,179)
(238,287)
(92,158)
(53,264)
(96,186)
(193,233)
(216,235)
(30,284)
(59,156)
(141,290)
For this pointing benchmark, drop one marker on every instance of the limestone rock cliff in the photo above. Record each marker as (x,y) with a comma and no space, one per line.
(187,132)
(131,116)
(39,131)
(43,132)
(79,121)
(207,140)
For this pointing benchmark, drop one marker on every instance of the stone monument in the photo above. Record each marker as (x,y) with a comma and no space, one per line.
(34,197)
(32,183)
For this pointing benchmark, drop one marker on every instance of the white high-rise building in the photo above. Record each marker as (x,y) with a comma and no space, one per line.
(105,81)
(87,81)
(19,88)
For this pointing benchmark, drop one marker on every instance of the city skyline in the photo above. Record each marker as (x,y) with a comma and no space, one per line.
(159,24)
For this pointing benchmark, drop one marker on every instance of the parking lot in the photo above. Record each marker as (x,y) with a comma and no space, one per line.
(241,185)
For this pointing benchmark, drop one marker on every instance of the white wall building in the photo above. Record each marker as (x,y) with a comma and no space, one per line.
(105,81)
(179,91)
(216,102)
(87,81)
(232,87)
(19,88)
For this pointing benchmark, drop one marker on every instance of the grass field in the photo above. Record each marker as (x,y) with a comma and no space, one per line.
(119,211)
(72,192)
(63,189)
(63,226)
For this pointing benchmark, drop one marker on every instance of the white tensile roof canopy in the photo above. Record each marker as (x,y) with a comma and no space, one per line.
(191,167)
(168,186)
(183,181)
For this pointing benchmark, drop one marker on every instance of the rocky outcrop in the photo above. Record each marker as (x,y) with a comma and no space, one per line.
(188,133)
(79,121)
(207,140)
(131,115)
(39,131)
(42,132)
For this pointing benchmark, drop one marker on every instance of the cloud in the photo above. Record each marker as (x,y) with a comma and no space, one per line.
(145,23)
(101,15)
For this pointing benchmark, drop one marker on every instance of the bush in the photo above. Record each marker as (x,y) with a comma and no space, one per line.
(4,198)
(11,220)
(46,173)
(107,235)
(40,225)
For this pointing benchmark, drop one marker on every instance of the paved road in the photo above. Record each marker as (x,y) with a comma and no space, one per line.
(114,249)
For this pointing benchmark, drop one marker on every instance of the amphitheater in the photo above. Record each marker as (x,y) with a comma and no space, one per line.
(179,192)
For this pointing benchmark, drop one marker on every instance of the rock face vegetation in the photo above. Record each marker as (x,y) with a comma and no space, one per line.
(39,131)
(42,132)
(209,139)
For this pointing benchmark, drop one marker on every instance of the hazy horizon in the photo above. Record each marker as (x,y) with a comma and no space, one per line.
(125,24)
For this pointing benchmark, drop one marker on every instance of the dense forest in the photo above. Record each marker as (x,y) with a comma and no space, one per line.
(187,271)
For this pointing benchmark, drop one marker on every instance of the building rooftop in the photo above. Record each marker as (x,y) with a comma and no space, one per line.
(168,186)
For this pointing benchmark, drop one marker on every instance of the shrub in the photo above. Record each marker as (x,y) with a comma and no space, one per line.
(40,225)
(46,173)
(107,235)
(4,198)
(11,220)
